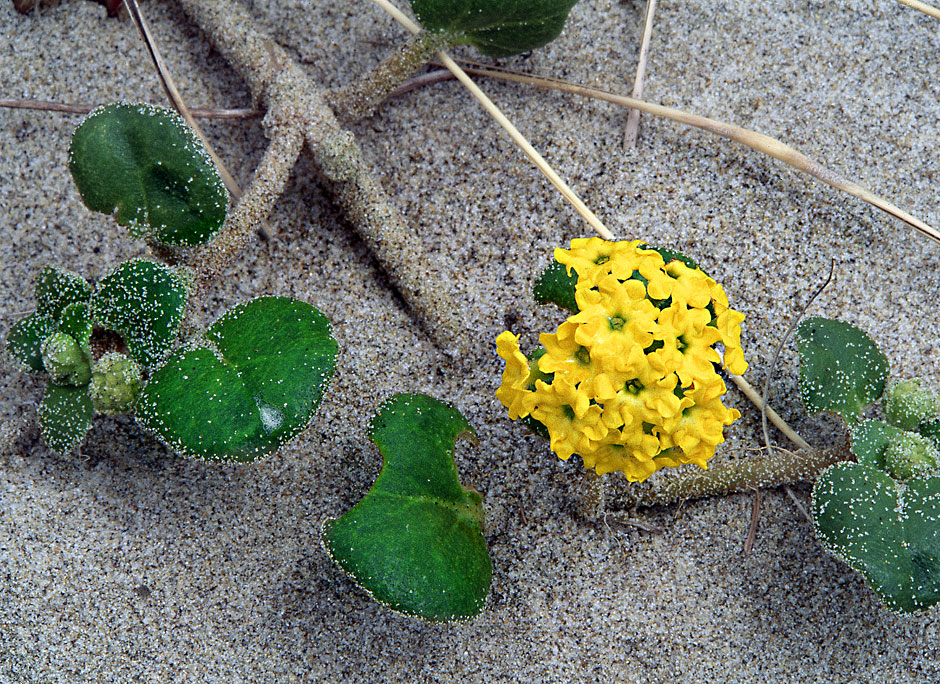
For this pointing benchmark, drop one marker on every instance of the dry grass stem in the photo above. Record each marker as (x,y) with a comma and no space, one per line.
(748,391)
(756,141)
(752,529)
(507,125)
(633,120)
(79,108)
(922,7)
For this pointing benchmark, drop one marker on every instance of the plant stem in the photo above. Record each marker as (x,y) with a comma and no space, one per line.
(360,99)
(766,470)
(279,84)
(80,108)
(922,7)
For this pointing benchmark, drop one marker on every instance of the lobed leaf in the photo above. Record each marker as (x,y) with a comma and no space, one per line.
(555,286)
(146,166)
(415,542)
(256,387)
(870,439)
(841,369)
(888,532)
(144,302)
(64,417)
(497,28)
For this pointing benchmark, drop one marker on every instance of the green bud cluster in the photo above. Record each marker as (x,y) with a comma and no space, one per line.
(65,361)
(115,384)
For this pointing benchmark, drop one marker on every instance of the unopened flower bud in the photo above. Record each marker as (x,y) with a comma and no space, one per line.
(65,361)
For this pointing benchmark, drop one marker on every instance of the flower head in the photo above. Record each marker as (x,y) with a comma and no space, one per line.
(629,381)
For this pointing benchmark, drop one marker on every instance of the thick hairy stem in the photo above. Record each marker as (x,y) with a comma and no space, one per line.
(360,99)
(279,84)
(767,470)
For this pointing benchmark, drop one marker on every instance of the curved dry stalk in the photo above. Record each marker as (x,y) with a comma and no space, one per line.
(756,141)
(922,7)
(282,86)
(507,125)
(633,121)
(755,398)
(80,108)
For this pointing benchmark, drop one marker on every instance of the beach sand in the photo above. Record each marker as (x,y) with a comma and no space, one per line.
(127,563)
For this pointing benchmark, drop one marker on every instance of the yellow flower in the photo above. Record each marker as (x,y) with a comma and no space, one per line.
(687,344)
(513,391)
(633,385)
(568,415)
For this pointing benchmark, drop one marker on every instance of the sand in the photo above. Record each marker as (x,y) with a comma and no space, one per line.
(127,563)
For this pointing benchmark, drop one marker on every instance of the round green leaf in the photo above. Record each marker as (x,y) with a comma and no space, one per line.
(497,28)
(75,320)
(841,369)
(24,341)
(415,542)
(256,387)
(146,166)
(143,301)
(887,531)
(64,417)
(869,441)
(57,288)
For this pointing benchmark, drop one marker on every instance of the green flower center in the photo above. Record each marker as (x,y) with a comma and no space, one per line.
(567,411)
(583,356)
(603,259)
(634,387)
(617,322)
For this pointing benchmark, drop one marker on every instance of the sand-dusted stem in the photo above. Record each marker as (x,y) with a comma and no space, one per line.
(279,85)
(360,98)
(772,469)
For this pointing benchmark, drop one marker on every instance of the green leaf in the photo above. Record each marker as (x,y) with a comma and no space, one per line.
(143,301)
(415,542)
(57,288)
(256,387)
(888,532)
(147,167)
(870,439)
(555,286)
(497,28)
(75,320)
(669,255)
(841,369)
(64,417)
(24,341)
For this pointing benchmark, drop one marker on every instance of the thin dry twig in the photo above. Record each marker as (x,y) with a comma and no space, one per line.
(80,108)
(752,530)
(633,120)
(507,125)
(922,7)
(756,141)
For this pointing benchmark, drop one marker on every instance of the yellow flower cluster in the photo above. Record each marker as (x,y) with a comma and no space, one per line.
(628,382)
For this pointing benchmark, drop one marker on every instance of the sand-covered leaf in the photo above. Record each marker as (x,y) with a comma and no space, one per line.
(887,531)
(57,288)
(143,301)
(841,369)
(24,341)
(255,386)
(554,285)
(75,320)
(415,542)
(146,166)
(497,28)
(869,441)
(64,417)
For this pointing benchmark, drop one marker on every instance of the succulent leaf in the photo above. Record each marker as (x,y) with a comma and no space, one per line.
(841,369)
(887,531)
(909,455)
(931,430)
(256,387)
(75,320)
(555,286)
(24,341)
(415,542)
(64,417)
(146,166)
(870,438)
(497,28)
(57,288)
(143,301)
